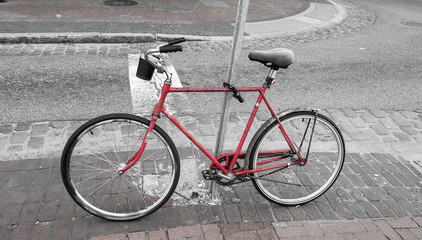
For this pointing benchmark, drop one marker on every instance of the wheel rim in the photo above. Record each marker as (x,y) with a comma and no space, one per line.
(97,155)
(302,184)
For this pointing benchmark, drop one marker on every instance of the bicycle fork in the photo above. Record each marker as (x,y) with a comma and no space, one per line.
(133,160)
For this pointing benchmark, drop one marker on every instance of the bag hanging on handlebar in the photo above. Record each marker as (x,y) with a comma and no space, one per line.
(145,70)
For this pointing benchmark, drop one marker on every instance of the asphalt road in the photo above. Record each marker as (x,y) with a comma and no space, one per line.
(34,88)
(377,67)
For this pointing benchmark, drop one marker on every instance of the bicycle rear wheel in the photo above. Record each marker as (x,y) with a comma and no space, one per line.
(98,149)
(317,139)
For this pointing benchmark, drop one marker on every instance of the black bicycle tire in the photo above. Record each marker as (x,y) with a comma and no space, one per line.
(268,126)
(64,165)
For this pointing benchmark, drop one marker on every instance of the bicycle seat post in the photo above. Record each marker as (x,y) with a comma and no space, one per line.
(271,77)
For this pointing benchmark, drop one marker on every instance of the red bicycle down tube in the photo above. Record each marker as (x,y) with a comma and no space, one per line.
(141,150)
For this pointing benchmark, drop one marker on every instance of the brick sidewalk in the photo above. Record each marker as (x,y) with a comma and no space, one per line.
(377,194)
(363,229)
(194,17)
(364,130)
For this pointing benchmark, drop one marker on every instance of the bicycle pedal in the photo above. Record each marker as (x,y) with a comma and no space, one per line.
(208,174)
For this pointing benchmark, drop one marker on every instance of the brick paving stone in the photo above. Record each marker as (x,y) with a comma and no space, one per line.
(396,208)
(172,217)
(312,211)
(40,128)
(157,235)
(380,129)
(23,126)
(267,234)
(6,128)
(369,181)
(411,115)
(155,221)
(3,142)
(352,226)
(281,213)
(406,234)
(17,195)
(370,235)
(15,148)
(358,122)
(110,237)
(383,209)
(326,210)
(418,220)
(248,212)
(20,231)
(244,194)
(398,118)
(36,142)
(328,229)
(228,229)
(185,232)
(389,124)
(47,211)
(232,213)
(187,216)
(219,213)
(62,229)
(264,212)
(369,225)
(312,228)
(298,213)
(291,232)
(378,113)
(394,193)
(18,137)
(368,117)
(81,228)
(211,231)
(402,223)
(417,232)
(410,129)
(29,213)
(350,113)
(205,214)
(137,236)
(342,211)
(387,229)
(370,210)
(11,211)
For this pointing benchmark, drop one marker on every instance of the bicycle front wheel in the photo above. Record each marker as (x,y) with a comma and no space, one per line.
(101,147)
(317,139)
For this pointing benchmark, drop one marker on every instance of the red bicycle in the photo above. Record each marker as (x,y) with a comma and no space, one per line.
(122,166)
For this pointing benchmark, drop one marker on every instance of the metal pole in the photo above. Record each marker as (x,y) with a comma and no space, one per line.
(242,11)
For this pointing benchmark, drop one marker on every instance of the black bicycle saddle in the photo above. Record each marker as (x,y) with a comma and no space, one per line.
(278,58)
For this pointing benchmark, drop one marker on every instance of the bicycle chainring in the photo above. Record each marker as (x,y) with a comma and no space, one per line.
(222,181)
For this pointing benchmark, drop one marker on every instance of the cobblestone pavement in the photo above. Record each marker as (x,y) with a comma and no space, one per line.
(358,17)
(188,17)
(377,194)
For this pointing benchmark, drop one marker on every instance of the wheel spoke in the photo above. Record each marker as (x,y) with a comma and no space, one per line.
(93,156)
(296,184)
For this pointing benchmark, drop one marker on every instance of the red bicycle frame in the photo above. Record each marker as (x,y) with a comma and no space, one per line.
(159,109)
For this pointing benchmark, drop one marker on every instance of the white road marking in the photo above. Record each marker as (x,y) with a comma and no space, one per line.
(145,93)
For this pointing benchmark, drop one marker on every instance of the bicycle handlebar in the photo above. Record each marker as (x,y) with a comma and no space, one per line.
(176,41)
(166,48)
(169,48)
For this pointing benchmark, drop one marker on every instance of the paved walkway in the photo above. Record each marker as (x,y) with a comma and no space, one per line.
(376,196)
(95,21)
